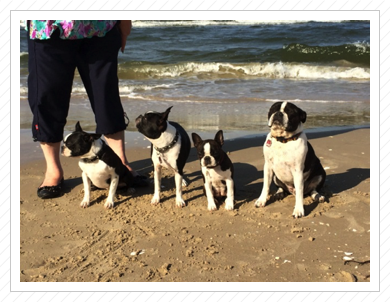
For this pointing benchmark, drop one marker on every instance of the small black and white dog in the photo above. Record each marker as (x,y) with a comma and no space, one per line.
(99,163)
(217,170)
(290,159)
(170,149)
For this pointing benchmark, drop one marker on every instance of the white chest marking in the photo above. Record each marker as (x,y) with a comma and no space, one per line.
(285,159)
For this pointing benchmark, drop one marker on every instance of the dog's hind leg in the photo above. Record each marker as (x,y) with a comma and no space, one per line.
(312,187)
(282,191)
(317,197)
(279,195)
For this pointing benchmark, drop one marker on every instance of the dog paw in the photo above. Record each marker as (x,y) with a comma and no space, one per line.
(316,197)
(229,204)
(180,203)
(184,183)
(109,204)
(279,196)
(229,207)
(298,213)
(260,203)
(155,200)
(212,207)
(84,204)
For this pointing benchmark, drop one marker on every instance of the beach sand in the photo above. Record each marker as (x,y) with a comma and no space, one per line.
(135,241)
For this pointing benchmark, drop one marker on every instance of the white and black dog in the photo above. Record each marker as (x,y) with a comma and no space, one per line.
(170,149)
(290,159)
(217,171)
(99,163)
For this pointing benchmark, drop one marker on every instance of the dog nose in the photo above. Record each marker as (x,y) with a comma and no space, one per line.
(279,114)
(138,120)
(278,117)
(207,160)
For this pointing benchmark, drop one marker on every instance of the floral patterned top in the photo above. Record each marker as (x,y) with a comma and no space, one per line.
(69,29)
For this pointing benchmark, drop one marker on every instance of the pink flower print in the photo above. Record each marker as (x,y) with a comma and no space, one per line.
(48,31)
(67,28)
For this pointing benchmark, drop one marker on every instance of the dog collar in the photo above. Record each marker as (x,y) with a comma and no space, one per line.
(284,140)
(97,155)
(166,148)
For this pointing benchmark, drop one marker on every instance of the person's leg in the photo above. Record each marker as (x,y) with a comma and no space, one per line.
(54,173)
(51,71)
(117,143)
(97,63)
(98,67)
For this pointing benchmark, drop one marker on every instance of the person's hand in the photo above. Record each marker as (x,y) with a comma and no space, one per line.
(125,29)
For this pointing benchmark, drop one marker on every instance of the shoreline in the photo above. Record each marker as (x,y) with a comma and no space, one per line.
(30,151)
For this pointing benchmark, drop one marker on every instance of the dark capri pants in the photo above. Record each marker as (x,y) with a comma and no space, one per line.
(52,65)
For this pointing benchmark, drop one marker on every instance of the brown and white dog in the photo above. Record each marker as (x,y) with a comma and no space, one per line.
(290,160)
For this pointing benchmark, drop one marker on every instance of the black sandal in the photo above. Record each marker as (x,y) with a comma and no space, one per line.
(50,191)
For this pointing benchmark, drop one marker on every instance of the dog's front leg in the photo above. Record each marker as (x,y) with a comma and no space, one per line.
(179,195)
(111,192)
(229,201)
(87,190)
(157,184)
(209,194)
(268,174)
(298,184)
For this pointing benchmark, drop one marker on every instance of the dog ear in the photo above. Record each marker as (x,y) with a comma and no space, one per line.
(166,113)
(196,139)
(96,136)
(219,137)
(302,115)
(92,137)
(78,127)
(164,117)
(274,108)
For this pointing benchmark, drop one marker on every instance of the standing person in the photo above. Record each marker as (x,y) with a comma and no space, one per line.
(56,48)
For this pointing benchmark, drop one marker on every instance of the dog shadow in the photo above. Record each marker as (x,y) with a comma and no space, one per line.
(338,183)
(247,187)
(71,183)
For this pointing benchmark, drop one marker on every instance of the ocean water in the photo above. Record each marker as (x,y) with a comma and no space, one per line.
(226,74)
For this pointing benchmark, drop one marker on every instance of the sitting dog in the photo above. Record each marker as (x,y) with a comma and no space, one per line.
(290,159)
(170,149)
(99,163)
(217,170)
